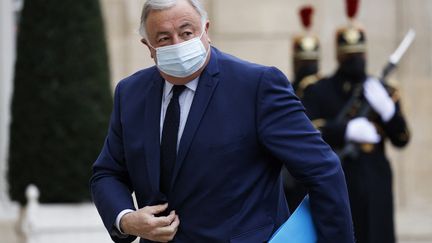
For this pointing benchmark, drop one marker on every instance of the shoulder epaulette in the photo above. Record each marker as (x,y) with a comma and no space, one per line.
(305,83)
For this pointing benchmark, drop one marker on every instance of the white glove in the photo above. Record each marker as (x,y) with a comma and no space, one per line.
(379,99)
(361,130)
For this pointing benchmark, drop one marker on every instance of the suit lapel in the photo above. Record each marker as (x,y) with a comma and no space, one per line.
(206,86)
(152,121)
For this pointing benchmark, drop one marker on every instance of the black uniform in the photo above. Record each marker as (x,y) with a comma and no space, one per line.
(369,175)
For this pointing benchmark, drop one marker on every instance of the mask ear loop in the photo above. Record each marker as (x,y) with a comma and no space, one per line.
(150,45)
(203,24)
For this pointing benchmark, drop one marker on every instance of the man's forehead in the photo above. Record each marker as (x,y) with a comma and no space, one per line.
(172,16)
(179,15)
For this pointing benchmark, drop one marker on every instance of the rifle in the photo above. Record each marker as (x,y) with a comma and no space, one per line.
(350,149)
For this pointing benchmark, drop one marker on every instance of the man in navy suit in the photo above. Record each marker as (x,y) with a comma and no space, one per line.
(200,139)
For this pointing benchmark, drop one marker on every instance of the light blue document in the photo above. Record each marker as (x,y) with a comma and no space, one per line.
(299,228)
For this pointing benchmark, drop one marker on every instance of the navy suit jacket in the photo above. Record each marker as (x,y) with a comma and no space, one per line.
(245,123)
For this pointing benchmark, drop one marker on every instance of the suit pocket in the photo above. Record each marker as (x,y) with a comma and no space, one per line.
(258,235)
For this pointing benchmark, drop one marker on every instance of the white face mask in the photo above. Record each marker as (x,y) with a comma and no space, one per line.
(182,59)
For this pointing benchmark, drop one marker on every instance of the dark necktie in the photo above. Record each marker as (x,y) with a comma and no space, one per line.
(169,138)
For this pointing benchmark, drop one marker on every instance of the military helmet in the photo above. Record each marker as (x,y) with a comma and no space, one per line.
(306,45)
(352,38)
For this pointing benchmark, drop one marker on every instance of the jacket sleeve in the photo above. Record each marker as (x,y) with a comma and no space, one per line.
(287,133)
(110,185)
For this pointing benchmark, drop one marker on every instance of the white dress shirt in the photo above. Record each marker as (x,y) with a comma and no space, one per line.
(185,101)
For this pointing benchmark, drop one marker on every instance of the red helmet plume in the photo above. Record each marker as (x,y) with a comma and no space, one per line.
(306,13)
(352,7)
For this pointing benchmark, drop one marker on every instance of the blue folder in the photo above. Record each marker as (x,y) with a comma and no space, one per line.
(299,228)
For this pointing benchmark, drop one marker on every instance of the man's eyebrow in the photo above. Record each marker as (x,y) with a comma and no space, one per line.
(185,25)
(162,33)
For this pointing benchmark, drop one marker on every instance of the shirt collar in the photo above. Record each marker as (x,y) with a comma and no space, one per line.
(192,85)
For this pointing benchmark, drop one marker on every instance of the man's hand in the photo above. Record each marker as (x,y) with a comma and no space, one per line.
(379,99)
(145,224)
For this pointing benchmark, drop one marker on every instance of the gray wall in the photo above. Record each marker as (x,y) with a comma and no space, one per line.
(7,57)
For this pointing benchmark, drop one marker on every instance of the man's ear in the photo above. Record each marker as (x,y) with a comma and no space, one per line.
(207,26)
(144,41)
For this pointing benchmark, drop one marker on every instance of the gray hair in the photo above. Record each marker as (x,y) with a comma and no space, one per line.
(150,5)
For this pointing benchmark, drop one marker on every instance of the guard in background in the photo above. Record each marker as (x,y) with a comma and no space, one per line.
(305,54)
(306,66)
(333,105)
